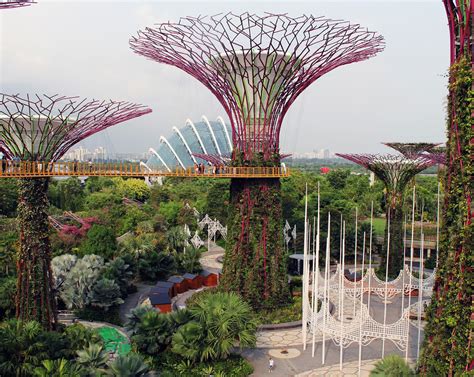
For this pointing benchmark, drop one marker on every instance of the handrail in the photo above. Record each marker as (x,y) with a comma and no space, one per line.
(25,169)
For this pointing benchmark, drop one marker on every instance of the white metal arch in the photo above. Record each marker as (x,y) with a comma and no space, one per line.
(163,140)
(204,118)
(190,123)
(145,166)
(185,143)
(219,119)
(151,150)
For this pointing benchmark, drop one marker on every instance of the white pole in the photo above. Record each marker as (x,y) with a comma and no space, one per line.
(411,269)
(326,278)
(404,258)
(355,260)
(361,304)
(386,283)
(437,228)
(305,272)
(370,254)
(316,279)
(420,288)
(341,292)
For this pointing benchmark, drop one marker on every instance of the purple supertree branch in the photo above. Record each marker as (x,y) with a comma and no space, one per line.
(437,155)
(412,149)
(9,4)
(43,127)
(393,170)
(285,55)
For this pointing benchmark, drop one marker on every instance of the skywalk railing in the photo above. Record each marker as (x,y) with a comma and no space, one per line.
(25,169)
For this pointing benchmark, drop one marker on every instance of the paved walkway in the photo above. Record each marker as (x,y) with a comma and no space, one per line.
(210,259)
(132,300)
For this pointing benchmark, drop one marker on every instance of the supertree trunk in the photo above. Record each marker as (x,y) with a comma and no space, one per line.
(447,349)
(394,215)
(255,263)
(35,298)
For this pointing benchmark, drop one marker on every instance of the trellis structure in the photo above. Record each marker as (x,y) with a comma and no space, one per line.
(395,172)
(449,334)
(9,4)
(437,155)
(256,66)
(43,128)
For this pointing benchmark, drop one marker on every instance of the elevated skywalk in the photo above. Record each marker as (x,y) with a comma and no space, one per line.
(31,169)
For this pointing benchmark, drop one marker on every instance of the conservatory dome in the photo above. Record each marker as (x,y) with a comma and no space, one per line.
(195,138)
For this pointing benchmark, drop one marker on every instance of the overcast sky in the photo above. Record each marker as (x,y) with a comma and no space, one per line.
(81,48)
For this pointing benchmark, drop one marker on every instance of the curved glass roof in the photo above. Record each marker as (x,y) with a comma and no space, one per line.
(203,137)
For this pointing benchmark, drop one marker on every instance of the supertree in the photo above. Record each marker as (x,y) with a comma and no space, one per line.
(412,149)
(256,66)
(8,4)
(448,334)
(42,128)
(395,172)
(437,155)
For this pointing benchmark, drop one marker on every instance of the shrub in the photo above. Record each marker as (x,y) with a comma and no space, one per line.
(392,366)
(218,322)
(131,365)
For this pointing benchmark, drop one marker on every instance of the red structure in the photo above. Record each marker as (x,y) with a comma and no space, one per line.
(209,279)
(256,66)
(43,128)
(180,283)
(193,281)
(9,4)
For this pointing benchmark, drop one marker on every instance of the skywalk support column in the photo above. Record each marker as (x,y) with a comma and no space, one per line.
(43,128)
(256,66)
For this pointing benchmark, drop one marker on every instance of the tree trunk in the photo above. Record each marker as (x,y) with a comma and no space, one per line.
(394,214)
(255,263)
(447,349)
(35,297)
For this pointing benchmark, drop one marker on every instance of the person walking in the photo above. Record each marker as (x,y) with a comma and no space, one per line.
(271,365)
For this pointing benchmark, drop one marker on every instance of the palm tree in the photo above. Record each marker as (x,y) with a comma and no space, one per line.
(20,348)
(93,358)
(154,333)
(58,368)
(189,261)
(131,365)
(220,322)
(134,318)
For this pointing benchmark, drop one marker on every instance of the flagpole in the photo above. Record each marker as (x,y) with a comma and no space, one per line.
(316,279)
(420,279)
(305,272)
(386,284)
(325,306)
(411,269)
(355,260)
(370,253)
(361,304)
(341,292)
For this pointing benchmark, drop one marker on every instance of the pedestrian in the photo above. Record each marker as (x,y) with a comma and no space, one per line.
(271,365)
(196,169)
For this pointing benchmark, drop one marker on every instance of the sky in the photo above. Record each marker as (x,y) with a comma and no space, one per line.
(81,48)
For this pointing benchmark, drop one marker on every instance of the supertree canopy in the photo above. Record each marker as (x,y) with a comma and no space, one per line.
(395,172)
(437,155)
(8,4)
(449,333)
(42,128)
(412,149)
(256,66)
